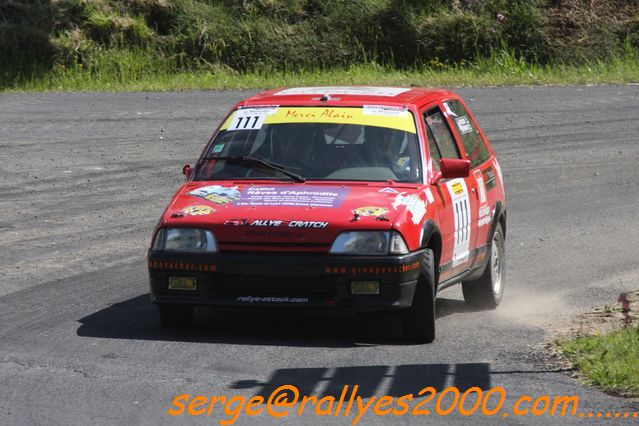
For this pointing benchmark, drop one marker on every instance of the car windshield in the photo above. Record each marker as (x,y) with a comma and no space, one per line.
(361,144)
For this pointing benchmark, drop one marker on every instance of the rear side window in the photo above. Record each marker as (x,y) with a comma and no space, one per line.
(471,139)
(441,142)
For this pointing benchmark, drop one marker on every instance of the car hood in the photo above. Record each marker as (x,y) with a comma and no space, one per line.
(305,215)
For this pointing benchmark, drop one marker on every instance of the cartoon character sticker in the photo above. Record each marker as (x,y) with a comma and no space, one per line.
(414,204)
(217,194)
(197,210)
(370,211)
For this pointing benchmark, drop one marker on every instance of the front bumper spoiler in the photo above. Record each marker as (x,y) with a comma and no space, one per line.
(283,280)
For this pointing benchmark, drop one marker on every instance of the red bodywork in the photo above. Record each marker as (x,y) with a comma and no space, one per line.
(453,217)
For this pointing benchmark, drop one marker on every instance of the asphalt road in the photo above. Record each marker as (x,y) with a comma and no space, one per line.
(84,177)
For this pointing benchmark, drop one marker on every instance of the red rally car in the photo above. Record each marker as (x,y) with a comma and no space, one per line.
(354,198)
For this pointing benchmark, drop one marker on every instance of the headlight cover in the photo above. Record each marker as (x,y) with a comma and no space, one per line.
(369,243)
(185,240)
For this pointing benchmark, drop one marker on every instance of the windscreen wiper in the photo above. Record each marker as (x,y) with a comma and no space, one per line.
(253,160)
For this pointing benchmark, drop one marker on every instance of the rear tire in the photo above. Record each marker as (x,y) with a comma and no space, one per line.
(419,319)
(176,316)
(487,291)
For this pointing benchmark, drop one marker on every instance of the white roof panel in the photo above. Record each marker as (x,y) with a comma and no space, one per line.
(344,90)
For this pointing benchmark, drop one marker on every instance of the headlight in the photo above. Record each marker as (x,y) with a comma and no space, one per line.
(158,243)
(369,243)
(185,239)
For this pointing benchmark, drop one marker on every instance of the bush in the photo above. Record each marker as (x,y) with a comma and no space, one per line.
(582,31)
(269,35)
(25,32)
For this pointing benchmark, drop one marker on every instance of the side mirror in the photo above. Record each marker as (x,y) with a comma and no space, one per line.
(452,168)
(186,171)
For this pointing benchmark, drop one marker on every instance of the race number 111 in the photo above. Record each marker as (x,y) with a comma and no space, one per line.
(250,118)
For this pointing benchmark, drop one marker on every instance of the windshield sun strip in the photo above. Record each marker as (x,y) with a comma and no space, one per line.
(222,130)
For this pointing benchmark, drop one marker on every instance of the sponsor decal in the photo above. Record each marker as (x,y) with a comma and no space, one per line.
(385,111)
(370,211)
(389,190)
(458,187)
(371,269)
(181,266)
(485,216)
(197,210)
(337,114)
(414,204)
(293,196)
(253,119)
(217,194)
(464,125)
(484,221)
(271,299)
(337,90)
(273,233)
(291,224)
(276,223)
(484,211)
(489,178)
(480,186)
(461,213)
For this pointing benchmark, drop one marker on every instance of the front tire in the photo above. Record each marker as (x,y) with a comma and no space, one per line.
(176,316)
(487,291)
(419,320)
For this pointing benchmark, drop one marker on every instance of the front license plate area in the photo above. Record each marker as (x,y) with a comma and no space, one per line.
(182,283)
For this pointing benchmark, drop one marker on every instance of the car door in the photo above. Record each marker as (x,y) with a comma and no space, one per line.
(455,217)
(481,173)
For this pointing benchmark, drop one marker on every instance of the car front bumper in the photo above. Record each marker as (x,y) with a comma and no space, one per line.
(285,280)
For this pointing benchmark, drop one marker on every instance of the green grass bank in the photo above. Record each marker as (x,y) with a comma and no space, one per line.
(604,346)
(608,361)
(192,44)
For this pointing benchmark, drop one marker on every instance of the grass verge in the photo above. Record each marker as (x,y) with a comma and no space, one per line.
(609,361)
(605,348)
(140,71)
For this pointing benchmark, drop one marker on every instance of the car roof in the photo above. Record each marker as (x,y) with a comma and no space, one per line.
(348,95)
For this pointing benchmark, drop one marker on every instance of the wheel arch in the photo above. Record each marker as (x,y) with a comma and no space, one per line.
(499,218)
(432,239)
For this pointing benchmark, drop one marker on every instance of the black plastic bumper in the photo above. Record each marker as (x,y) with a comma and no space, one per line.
(285,280)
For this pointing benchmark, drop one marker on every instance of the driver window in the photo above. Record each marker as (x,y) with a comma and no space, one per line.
(441,135)
(433,149)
